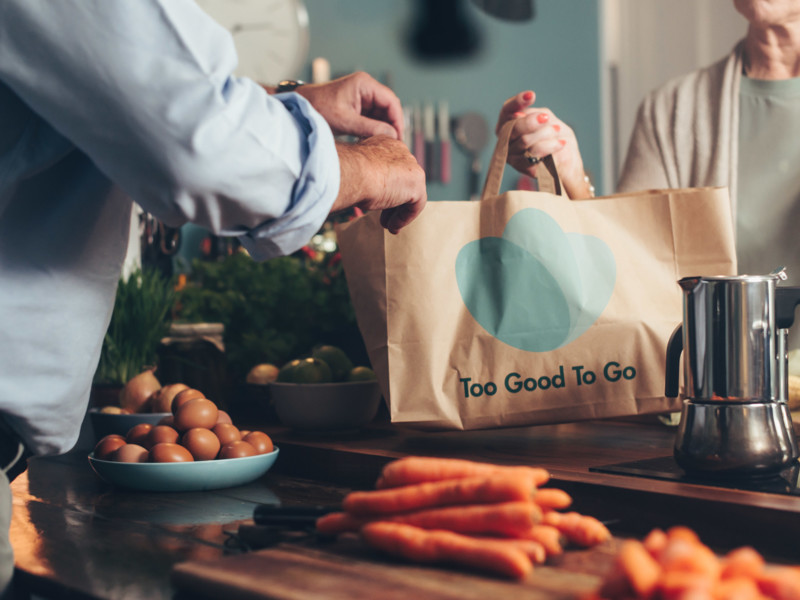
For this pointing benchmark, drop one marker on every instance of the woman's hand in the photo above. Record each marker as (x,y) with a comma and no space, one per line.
(538,132)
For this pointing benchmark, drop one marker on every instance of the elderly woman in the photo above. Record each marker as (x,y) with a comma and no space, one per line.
(731,124)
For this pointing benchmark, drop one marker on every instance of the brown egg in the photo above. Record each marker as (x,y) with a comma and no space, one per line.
(161,400)
(197,412)
(238,449)
(138,433)
(227,433)
(168,452)
(224,417)
(243,432)
(183,397)
(160,434)
(168,420)
(202,443)
(106,446)
(130,453)
(260,441)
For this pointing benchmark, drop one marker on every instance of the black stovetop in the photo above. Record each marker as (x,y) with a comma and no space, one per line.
(665,468)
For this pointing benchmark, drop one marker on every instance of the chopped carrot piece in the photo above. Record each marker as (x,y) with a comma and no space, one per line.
(736,588)
(744,561)
(674,585)
(780,583)
(682,555)
(656,542)
(641,569)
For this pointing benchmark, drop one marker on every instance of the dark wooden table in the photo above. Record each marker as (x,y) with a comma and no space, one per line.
(77,537)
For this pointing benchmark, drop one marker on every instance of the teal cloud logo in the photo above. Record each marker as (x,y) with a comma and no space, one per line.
(536,288)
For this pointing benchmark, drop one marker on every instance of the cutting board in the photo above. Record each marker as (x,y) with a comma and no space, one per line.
(346,569)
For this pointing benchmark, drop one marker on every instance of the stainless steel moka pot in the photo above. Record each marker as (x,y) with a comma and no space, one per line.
(735,419)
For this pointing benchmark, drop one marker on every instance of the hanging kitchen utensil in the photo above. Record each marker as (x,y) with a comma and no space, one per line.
(508,10)
(472,133)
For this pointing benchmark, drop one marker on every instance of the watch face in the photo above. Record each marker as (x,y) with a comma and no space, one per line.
(271,36)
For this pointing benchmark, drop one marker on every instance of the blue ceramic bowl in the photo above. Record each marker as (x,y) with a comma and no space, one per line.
(184,476)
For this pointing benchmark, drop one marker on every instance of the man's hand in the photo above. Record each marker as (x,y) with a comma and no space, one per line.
(379,173)
(356,105)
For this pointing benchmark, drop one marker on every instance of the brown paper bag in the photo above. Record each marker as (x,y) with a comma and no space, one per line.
(527,307)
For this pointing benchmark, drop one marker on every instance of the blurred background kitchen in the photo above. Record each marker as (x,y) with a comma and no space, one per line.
(453,62)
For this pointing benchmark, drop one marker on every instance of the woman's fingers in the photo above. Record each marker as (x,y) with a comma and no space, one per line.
(514,105)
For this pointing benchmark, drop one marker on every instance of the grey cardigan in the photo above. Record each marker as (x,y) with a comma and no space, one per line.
(686,132)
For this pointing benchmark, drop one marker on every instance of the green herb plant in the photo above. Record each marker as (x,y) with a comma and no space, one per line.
(275,310)
(141,319)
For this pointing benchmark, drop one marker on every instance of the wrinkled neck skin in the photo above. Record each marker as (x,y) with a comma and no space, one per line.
(772,51)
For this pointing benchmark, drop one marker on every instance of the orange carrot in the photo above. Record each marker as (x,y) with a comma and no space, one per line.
(548,536)
(419,469)
(552,498)
(579,529)
(503,518)
(742,562)
(535,551)
(472,490)
(435,546)
(335,523)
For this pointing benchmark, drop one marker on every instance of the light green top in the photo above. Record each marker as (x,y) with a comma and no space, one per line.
(768,204)
(769,177)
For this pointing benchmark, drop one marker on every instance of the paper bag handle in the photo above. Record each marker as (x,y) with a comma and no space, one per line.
(545,169)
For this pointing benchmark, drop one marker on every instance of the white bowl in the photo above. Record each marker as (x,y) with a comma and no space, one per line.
(104,424)
(326,406)
(184,476)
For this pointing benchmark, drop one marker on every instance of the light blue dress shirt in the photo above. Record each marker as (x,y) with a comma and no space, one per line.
(101,102)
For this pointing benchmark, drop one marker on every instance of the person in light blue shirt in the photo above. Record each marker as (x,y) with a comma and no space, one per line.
(107,102)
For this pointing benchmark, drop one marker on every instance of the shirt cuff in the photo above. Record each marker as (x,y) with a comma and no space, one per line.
(313,194)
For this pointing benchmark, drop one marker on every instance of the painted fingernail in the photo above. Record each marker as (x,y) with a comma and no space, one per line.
(556,127)
(527,96)
(562,142)
(543,117)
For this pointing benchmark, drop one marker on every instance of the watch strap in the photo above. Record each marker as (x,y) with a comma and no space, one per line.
(288,85)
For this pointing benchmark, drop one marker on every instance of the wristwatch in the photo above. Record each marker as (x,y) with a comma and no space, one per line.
(288,85)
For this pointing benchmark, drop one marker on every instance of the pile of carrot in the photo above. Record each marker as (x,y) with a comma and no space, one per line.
(676,565)
(470,514)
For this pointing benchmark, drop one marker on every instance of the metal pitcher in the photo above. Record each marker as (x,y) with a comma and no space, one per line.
(735,419)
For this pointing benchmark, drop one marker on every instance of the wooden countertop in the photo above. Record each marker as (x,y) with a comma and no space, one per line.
(75,536)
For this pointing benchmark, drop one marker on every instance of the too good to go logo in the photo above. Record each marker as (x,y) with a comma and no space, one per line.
(536,288)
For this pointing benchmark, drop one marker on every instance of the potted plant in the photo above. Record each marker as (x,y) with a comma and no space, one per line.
(141,318)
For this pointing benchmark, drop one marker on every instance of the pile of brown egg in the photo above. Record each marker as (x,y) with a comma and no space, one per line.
(195,430)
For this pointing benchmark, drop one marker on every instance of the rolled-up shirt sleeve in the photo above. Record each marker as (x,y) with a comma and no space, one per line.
(145,88)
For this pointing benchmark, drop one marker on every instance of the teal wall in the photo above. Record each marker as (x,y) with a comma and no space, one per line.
(556,55)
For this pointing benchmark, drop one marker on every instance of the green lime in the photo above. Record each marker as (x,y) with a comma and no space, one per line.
(361,374)
(311,370)
(336,359)
(285,375)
